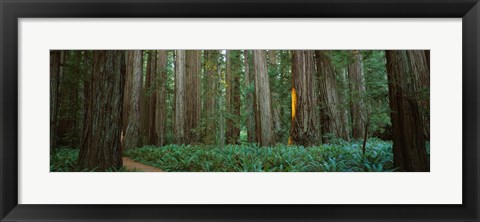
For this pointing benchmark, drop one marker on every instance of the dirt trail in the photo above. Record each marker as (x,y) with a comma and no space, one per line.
(133,165)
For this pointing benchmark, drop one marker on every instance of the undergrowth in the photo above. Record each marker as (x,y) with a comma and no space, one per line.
(65,160)
(339,157)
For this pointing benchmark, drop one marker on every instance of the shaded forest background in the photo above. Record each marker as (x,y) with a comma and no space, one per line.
(105,104)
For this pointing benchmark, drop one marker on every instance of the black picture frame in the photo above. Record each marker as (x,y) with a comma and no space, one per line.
(11,11)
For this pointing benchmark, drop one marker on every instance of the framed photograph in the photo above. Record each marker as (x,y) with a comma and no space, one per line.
(226,110)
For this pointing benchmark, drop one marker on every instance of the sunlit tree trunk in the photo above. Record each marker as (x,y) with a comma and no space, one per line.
(161,98)
(101,147)
(131,99)
(357,92)
(263,97)
(305,128)
(249,98)
(409,152)
(180,108)
(330,112)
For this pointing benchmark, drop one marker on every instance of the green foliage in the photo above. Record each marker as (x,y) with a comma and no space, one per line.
(65,160)
(340,157)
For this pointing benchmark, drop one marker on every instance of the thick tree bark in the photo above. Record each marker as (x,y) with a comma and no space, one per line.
(330,112)
(180,111)
(161,98)
(409,151)
(419,61)
(249,98)
(357,92)
(263,97)
(54,84)
(152,93)
(101,147)
(193,103)
(127,90)
(134,73)
(305,128)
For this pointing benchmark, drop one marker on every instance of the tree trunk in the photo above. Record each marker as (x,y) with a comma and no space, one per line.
(249,99)
(161,98)
(357,92)
(144,101)
(132,100)
(263,97)
(409,151)
(54,84)
(233,95)
(180,78)
(152,92)
(193,103)
(211,75)
(101,148)
(305,129)
(272,64)
(419,61)
(330,112)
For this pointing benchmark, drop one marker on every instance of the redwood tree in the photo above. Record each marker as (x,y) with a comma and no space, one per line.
(211,72)
(161,98)
(180,112)
(357,92)
(131,102)
(54,84)
(263,98)
(193,102)
(232,101)
(249,100)
(101,147)
(419,61)
(330,112)
(305,129)
(409,152)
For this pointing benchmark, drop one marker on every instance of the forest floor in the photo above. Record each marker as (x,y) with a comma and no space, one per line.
(129,164)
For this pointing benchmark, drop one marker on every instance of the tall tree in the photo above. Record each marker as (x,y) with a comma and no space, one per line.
(131,101)
(151,93)
(54,84)
(276,100)
(101,147)
(211,89)
(161,98)
(419,61)
(409,151)
(263,98)
(145,100)
(232,101)
(250,122)
(180,112)
(305,129)
(330,112)
(193,102)
(357,92)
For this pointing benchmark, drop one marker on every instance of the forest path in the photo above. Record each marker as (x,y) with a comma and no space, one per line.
(136,166)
